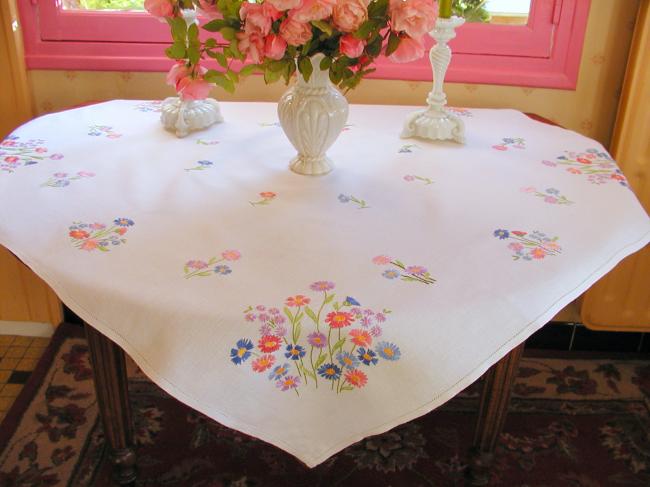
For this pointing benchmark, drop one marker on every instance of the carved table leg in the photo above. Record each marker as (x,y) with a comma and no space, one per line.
(109,369)
(495,398)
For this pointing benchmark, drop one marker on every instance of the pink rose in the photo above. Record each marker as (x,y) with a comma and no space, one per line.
(408,50)
(415,17)
(274,48)
(252,44)
(208,8)
(351,46)
(259,16)
(285,4)
(176,73)
(159,8)
(348,15)
(193,88)
(313,10)
(294,32)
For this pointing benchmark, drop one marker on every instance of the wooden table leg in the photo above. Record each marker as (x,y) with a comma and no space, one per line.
(109,369)
(495,398)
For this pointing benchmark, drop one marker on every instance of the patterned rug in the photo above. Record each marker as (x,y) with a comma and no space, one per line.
(572,423)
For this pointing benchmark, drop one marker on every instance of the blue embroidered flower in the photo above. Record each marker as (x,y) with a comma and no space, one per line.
(501,234)
(390,274)
(279,371)
(509,141)
(123,222)
(222,269)
(205,163)
(295,352)
(367,356)
(350,301)
(242,351)
(329,371)
(347,360)
(552,191)
(592,151)
(343,198)
(388,350)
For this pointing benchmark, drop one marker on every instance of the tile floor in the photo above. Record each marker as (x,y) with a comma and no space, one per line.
(18,358)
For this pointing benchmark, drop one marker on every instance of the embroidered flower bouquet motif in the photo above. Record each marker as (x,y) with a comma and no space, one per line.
(265,198)
(14,153)
(213,266)
(150,106)
(598,166)
(550,195)
(105,130)
(399,270)
(324,342)
(62,179)
(510,143)
(97,236)
(529,246)
(346,198)
(409,178)
(201,166)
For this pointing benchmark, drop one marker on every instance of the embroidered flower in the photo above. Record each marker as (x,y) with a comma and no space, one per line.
(222,269)
(360,338)
(367,356)
(339,319)
(317,340)
(295,352)
(350,301)
(79,234)
(418,270)
(288,382)
(391,274)
(231,255)
(322,286)
(263,363)
(501,234)
(375,331)
(279,371)
(347,360)
(242,351)
(357,378)
(296,301)
(329,371)
(269,343)
(381,260)
(388,351)
(123,222)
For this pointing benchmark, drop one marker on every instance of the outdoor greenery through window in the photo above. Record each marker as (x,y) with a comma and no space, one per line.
(488,11)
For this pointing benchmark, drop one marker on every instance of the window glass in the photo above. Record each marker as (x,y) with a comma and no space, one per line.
(103,4)
(513,12)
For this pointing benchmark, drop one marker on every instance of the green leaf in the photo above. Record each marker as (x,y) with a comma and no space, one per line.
(311,314)
(347,388)
(233,76)
(287,312)
(228,33)
(271,76)
(320,361)
(210,43)
(296,332)
(338,345)
(215,25)
(193,33)
(330,298)
(305,67)
(276,65)
(193,54)
(179,28)
(325,63)
(221,59)
(335,76)
(176,51)
(364,31)
(393,43)
(248,70)
(308,372)
(219,79)
(377,9)
(323,26)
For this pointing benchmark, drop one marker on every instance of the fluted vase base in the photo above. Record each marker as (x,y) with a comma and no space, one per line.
(434,125)
(311,167)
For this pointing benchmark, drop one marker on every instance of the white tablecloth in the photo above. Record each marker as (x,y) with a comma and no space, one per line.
(312,312)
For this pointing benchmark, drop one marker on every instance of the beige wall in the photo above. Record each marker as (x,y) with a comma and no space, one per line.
(590,109)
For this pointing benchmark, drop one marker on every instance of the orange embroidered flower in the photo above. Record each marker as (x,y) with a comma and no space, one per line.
(231,255)
(269,195)
(298,300)
(339,319)
(361,338)
(121,230)
(79,234)
(573,170)
(89,245)
(262,363)
(356,378)
(269,343)
(537,253)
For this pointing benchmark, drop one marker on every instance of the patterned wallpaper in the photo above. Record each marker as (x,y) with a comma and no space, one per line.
(590,109)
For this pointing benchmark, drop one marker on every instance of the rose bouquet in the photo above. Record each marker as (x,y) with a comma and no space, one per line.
(278,37)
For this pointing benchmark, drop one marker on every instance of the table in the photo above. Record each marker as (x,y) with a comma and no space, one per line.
(311,312)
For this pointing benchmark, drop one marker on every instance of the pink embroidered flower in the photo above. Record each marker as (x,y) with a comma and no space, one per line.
(251,43)
(529,189)
(351,46)
(79,234)
(281,331)
(121,231)
(60,174)
(549,163)
(582,160)
(537,253)
(375,331)
(274,311)
(97,226)
(380,317)
(40,150)
(409,178)
(274,48)
(260,307)
(288,382)
(56,157)
(250,316)
(294,32)
(285,4)
(159,8)
(322,286)
(196,264)
(339,319)
(499,147)
(573,170)
(263,317)
(263,363)
(89,245)
(296,301)
(11,159)
(552,246)
(348,15)
(408,50)
(519,233)
(418,270)
(415,17)
(356,378)
(360,338)
(231,255)
(311,10)
(381,260)
(515,246)
(550,199)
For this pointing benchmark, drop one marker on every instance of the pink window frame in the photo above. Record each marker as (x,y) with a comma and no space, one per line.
(543,53)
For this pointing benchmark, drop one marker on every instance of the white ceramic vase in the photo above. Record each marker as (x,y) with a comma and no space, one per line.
(312,114)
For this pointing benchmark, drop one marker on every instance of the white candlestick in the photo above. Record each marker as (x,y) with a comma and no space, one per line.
(435,122)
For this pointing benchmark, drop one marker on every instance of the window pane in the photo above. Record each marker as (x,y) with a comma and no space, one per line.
(508,11)
(103,4)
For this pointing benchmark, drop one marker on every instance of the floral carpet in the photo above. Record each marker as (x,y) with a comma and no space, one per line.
(571,423)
